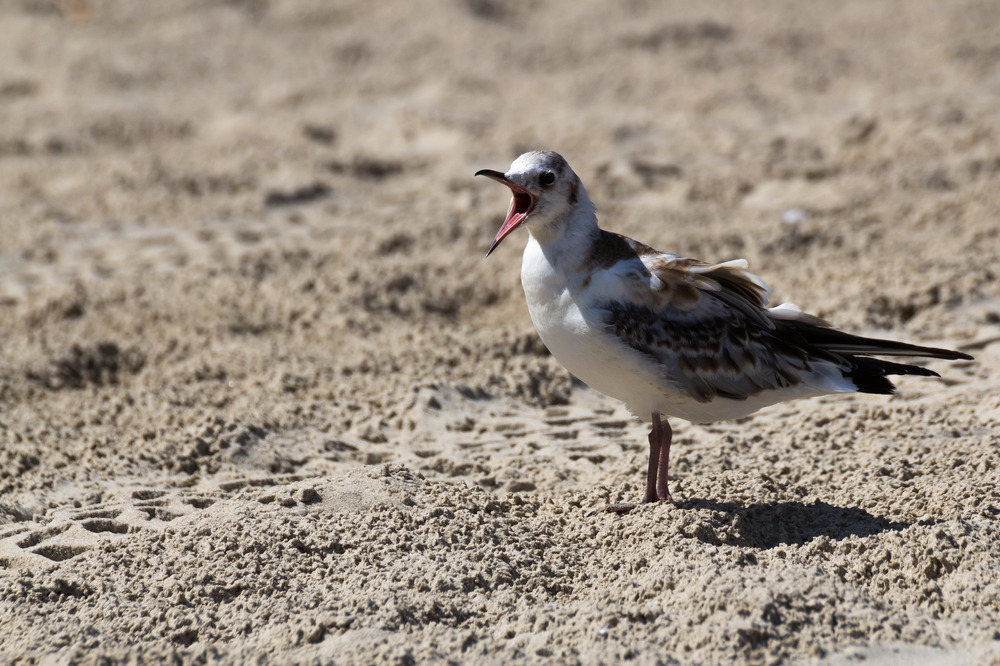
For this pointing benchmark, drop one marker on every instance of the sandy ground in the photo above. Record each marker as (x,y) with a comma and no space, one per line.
(262,399)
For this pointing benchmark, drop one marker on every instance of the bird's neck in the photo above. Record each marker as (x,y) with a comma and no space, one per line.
(570,235)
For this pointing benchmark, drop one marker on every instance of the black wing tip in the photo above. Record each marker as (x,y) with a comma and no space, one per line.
(892,348)
(837,341)
(937,352)
(868,383)
(869,374)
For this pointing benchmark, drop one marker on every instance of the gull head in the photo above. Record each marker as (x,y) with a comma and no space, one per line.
(545,190)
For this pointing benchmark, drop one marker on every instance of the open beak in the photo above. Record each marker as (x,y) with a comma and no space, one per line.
(521,205)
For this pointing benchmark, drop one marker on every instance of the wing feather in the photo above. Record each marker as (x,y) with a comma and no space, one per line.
(708,328)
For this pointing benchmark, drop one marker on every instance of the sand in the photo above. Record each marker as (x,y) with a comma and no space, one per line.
(262,400)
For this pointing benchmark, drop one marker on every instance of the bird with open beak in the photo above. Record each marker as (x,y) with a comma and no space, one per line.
(668,335)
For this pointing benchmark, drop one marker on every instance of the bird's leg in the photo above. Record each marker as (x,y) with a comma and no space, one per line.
(666,435)
(656,473)
(655,439)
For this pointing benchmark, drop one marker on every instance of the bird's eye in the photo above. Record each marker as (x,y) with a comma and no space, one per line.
(547,178)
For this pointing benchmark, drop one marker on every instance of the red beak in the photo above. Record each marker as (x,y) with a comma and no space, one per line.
(521,205)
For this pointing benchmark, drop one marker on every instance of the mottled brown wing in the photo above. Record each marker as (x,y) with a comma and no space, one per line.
(707,329)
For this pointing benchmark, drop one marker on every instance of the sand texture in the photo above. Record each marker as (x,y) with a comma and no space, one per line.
(262,400)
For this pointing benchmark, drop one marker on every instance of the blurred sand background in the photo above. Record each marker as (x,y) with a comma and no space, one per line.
(262,399)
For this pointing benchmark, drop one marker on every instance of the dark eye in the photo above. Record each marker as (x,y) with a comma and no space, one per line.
(547,178)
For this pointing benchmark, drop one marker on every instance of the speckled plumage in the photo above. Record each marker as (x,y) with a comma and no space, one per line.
(669,335)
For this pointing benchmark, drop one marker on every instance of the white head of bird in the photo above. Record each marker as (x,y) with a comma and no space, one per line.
(548,198)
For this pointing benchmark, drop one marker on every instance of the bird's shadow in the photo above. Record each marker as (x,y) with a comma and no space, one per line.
(773,524)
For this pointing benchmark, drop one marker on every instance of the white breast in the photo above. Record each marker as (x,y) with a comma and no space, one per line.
(561,308)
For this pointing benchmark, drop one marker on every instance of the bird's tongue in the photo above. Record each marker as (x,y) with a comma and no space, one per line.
(520,206)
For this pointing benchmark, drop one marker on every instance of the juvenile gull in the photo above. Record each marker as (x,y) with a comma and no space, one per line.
(667,335)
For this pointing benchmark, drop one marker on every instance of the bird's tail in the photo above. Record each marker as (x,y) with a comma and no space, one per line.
(867,373)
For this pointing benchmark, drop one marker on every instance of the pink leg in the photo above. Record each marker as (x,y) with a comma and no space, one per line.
(654,460)
(666,435)
(659,460)
(656,473)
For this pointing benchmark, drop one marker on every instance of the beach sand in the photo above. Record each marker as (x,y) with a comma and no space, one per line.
(262,400)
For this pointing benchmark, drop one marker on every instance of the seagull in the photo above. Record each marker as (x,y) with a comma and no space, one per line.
(667,335)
